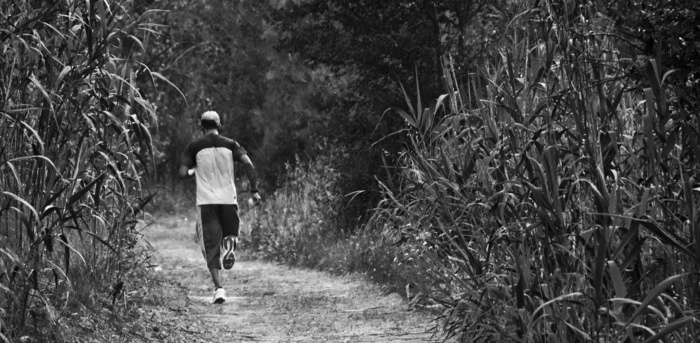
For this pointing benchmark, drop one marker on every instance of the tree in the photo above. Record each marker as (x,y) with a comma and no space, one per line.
(380,47)
(220,54)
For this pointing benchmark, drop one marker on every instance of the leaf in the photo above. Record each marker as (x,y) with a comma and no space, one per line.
(618,282)
(79,194)
(446,165)
(551,161)
(36,135)
(61,76)
(670,328)
(559,298)
(160,76)
(41,88)
(66,251)
(95,236)
(578,331)
(390,182)
(406,116)
(633,254)
(598,198)
(117,173)
(519,291)
(631,233)
(10,293)
(25,203)
(599,267)
(653,294)
(538,195)
(670,144)
(68,248)
(695,231)
(41,157)
(103,17)
(53,197)
(408,101)
(666,237)
(648,122)
(14,173)
(143,203)
(468,163)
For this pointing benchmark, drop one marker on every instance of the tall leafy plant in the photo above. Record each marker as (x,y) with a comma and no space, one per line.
(547,193)
(75,149)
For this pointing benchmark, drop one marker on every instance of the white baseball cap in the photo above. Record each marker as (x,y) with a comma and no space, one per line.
(211,115)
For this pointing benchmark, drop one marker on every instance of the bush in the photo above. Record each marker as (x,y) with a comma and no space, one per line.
(293,224)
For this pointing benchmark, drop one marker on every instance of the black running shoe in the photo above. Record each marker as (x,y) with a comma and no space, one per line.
(228,245)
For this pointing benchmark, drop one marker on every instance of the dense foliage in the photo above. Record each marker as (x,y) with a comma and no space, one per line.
(557,202)
(540,185)
(550,193)
(221,56)
(75,149)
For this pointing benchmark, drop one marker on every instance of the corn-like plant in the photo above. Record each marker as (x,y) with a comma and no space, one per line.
(75,146)
(550,195)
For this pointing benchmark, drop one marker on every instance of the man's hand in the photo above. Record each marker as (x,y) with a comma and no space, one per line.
(256,197)
(185,172)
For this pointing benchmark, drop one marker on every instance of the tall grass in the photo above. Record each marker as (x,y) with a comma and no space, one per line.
(549,195)
(76,143)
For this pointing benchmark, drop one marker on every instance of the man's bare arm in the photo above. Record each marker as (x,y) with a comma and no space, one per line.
(250,171)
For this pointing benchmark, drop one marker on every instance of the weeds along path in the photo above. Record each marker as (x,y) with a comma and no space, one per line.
(272,303)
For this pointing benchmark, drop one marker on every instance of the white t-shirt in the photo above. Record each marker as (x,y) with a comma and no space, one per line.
(213,155)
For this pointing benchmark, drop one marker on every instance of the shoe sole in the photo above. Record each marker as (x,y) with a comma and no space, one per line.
(219,301)
(229,255)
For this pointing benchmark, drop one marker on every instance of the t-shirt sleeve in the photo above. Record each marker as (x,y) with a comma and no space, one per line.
(237,150)
(188,157)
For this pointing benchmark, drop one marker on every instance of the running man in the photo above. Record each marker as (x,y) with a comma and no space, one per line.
(212,157)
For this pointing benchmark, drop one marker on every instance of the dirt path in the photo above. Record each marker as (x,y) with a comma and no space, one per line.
(272,303)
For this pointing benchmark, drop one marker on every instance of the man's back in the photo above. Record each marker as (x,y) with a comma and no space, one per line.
(213,156)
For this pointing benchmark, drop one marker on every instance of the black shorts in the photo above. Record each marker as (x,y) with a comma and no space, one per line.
(214,222)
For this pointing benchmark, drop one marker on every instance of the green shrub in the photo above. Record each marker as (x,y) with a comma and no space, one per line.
(547,197)
(76,143)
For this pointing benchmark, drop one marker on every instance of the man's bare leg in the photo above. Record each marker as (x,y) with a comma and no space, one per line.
(216,277)
(219,292)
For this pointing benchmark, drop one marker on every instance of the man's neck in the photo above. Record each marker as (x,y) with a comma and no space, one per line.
(210,132)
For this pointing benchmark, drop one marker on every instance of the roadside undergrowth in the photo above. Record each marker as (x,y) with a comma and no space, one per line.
(296,226)
(551,195)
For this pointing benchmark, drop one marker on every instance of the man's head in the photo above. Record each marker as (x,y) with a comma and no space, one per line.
(210,120)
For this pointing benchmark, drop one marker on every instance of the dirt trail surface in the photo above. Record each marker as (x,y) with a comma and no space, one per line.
(271,303)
